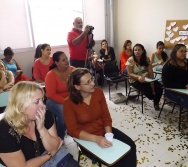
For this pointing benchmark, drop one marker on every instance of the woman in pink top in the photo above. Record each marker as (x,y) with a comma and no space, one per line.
(56,88)
(42,64)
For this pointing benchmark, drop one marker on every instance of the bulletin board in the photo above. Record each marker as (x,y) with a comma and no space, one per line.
(176,31)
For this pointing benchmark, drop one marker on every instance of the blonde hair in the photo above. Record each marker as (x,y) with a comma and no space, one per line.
(5,68)
(19,99)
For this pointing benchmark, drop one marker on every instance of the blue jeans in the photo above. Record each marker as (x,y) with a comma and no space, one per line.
(56,110)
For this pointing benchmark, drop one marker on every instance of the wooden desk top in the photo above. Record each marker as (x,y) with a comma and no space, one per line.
(4,98)
(107,155)
(182,91)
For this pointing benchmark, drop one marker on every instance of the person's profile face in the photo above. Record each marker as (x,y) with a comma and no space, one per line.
(104,45)
(46,51)
(138,51)
(129,45)
(2,67)
(35,105)
(63,61)
(160,48)
(181,53)
(78,24)
(8,57)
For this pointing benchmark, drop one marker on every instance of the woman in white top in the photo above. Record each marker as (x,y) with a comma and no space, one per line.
(138,68)
(159,57)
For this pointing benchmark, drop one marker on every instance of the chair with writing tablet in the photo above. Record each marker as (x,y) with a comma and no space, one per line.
(139,93)
(167,100)
(108,156)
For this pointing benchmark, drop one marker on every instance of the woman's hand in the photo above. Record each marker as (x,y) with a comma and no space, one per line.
(18,72)
(40,118)
(141,79)
(103,142)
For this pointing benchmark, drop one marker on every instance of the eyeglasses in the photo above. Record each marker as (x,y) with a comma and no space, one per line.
(89,81)
(36,146)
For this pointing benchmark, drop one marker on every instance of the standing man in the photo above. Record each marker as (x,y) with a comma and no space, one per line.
(78,42)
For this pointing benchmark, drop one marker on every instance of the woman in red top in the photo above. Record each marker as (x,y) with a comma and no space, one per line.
(87,116)
(125,54)
(42,64)
(56,88)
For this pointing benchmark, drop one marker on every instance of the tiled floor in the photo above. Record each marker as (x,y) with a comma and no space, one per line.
(159,143)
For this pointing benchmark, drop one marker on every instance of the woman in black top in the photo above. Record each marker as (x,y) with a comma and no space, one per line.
(175,74)
(28,133)
(107,52)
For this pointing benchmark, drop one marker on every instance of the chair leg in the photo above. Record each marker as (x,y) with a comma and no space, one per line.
(162,107)
(128,95)
(173,107)
(179,124)
(109,89)
(142,96)
(126,86)
(79,154)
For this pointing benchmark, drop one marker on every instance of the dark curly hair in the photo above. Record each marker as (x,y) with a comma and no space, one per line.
(143,60)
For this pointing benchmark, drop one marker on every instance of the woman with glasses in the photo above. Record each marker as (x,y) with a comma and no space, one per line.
(28,133)
(87,116)
(56,88)
(175,74)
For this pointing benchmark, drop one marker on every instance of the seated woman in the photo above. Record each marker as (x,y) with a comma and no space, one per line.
(107,52)
(159,57)
(98,66)
(175,74)
(28,133)
(38,52)
(13,66)
(56,88)
(6,78)
(139,67)
(42,64)
(125,54)
(87,116)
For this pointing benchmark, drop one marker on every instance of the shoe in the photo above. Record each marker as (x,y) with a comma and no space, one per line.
(157,108)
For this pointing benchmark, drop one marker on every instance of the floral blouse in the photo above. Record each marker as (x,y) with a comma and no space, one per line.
(137,69)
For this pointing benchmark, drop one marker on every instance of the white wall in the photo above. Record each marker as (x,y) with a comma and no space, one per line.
(144,21)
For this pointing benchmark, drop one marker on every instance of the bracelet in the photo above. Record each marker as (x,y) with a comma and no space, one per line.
(43,136)
(49,153)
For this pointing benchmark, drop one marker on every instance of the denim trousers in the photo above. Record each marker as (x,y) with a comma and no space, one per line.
(56,110)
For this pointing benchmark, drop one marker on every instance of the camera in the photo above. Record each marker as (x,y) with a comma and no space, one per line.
(91,28)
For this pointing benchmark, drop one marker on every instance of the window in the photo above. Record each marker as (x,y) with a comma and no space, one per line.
(27,23)
(14,25)
(53,19)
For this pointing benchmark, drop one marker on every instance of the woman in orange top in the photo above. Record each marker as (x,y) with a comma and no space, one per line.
(42,64)
(56,88)
(125,54)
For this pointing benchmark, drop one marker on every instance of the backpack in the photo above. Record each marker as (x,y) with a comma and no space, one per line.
(112,71)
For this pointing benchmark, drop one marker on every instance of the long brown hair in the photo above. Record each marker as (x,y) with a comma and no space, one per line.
(74,79)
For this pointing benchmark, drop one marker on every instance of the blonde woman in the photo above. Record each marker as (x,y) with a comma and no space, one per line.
(6,78)
(28,133)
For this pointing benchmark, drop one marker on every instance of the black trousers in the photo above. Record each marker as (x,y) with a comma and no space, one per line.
(147,90)
(128,160)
